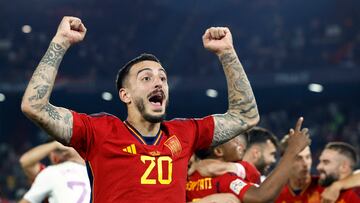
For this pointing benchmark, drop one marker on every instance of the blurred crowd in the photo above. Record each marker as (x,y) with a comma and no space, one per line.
(281,36)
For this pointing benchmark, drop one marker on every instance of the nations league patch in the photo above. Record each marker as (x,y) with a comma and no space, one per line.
(237,185)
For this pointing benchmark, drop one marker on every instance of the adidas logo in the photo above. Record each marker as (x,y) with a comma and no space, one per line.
(130,149)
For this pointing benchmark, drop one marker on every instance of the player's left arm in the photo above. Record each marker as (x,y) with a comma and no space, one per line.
(242,112)
(332,193)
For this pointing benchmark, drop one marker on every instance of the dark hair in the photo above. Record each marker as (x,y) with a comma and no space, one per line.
(259,135)
(206,153)
(345,149)
(123,72)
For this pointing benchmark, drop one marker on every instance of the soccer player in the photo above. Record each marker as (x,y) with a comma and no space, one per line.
(30,161)
(261,150)
(141,159)
(199,187)
(223,159)
(337,162)
(303,187)
(63,182)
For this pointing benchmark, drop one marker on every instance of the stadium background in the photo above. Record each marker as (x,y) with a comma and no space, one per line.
(284,45)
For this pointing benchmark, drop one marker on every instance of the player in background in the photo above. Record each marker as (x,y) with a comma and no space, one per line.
(30,161)
(64,182)
(262,149)
(199,187)
(303,187)
(337,162)
(153,152)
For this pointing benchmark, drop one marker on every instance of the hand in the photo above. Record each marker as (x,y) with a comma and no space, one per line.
(218,40)
(298,138)
(330,194)
(70,31)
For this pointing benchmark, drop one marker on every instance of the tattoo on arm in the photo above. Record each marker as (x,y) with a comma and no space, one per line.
(56,121)
(54,55)
(242,112)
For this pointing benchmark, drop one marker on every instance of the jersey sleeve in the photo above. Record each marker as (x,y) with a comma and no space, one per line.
(83,134)
(204,132)
(41,187)
(230,183)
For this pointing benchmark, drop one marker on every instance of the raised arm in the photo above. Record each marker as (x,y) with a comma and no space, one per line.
(56,121)
(30,160)
(271,187)
(242,112)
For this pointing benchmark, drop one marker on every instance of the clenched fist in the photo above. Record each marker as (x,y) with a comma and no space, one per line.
(70,31)
(218,39)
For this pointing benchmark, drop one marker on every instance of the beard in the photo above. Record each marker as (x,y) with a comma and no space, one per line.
(262,166)
(139,103)
(328,180)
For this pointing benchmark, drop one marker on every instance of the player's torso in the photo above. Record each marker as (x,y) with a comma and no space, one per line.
(71,185)
(198,187)
(133,170)
(310,194)
(349,196)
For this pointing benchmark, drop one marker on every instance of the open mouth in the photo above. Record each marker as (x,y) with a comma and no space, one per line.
(156,98)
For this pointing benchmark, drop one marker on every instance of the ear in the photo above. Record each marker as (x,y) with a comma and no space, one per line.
(345,166)
(124,95)
(256,152)
(218,151)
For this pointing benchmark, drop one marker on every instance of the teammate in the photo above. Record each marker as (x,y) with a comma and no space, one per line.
(63,182)
(261,150)
(225,158)
(337,162)
(143,159)
(30,161)
(302,187)
(199,187)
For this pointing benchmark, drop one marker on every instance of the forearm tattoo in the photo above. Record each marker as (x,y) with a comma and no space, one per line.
(56,121)
(242,112)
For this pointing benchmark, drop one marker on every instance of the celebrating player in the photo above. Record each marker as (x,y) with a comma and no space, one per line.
(143,159)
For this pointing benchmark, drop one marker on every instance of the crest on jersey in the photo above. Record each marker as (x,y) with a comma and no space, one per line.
(174,145)
(237,185)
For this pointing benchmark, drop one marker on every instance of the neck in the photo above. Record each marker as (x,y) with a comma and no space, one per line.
(297,183)
(146,128)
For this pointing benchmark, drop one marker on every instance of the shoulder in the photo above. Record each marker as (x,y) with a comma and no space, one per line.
(188,122)
(101,117)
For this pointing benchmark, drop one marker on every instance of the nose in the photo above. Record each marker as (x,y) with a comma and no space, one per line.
(158,82)
(319,167)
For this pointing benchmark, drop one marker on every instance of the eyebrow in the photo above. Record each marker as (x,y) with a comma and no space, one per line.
(149,69)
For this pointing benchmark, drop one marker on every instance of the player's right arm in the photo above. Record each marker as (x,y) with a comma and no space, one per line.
(271,187)
(56,121)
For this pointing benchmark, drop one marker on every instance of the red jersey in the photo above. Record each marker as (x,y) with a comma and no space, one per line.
(124,167)
(349,196)
(310,194)
(199,187)
(252,175)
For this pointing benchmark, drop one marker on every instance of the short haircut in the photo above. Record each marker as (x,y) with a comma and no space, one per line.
(345,149)
(259,135)
(207,153)
(124,71)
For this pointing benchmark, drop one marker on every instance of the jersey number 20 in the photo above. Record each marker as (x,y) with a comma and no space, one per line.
(159,164)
